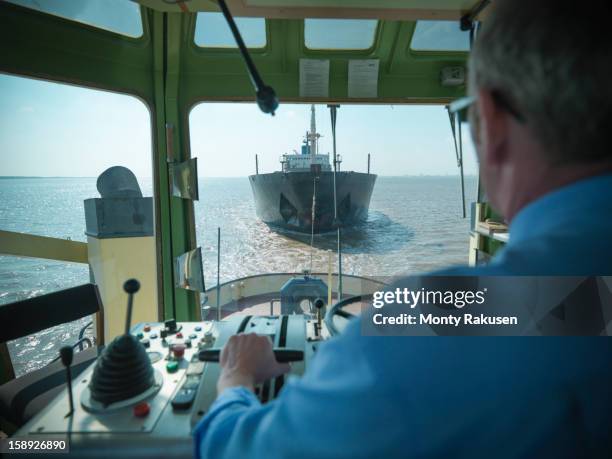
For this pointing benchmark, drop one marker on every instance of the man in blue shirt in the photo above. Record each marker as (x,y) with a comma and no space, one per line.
(540,120)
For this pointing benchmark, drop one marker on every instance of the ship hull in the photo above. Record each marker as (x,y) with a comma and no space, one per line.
(284,199)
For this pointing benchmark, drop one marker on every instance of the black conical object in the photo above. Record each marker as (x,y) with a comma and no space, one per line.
(123,371)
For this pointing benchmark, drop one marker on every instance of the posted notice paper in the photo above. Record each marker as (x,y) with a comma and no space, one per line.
(314,78)
(363,78)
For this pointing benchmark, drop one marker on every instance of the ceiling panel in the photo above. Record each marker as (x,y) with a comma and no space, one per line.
(349,9)
(370,4)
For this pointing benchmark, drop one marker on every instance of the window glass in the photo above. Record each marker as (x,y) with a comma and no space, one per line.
(22,278)
(56,140)
(118,16)
(339,33)
(212,31)
(414,223)
(439,36)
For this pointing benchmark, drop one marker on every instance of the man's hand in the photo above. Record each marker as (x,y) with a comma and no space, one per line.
(247,360)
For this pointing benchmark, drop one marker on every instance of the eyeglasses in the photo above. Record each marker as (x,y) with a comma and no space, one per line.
(501,101)
(461,104)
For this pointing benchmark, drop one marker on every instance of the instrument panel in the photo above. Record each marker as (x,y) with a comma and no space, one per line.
(183,387)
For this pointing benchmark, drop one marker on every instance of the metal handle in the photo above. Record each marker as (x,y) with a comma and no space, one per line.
(281,355)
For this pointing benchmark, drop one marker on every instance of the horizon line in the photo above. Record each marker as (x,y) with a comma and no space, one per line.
(215,176)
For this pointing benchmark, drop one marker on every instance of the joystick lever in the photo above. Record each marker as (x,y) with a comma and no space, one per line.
(130,287)
(66,354)
(123,370)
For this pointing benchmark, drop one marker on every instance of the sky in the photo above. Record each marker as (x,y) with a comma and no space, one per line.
(51,129)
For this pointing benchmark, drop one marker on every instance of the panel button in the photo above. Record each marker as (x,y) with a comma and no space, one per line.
(183,399)
(146,343)
(147,328)
(178,350)
(141,410)
(192,382)
(153,335)
(198,328)
(195,368)
(172,367)
(208,337)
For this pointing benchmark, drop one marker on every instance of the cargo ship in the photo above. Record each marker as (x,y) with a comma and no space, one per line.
(300,197)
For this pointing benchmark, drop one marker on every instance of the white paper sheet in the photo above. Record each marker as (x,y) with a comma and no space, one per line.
(363,77)
(314,78)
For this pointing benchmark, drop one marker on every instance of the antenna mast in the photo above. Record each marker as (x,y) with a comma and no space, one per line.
(312,137)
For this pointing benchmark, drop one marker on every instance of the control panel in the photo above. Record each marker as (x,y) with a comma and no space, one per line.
(150,387)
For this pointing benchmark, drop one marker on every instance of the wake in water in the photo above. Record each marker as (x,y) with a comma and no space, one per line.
(378,234)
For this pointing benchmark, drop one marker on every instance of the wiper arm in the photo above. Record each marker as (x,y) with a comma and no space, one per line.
(266,96)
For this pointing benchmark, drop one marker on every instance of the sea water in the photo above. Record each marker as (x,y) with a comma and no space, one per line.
(415,225)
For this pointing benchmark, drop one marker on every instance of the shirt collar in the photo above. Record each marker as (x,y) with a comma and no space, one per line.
(562,206)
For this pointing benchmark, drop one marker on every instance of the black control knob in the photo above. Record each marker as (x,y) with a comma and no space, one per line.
(131,286)
(66,354)
(170,326)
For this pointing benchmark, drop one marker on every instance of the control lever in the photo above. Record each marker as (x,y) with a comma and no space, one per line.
(281,355)
(66,354)
(319,304)
(130,287)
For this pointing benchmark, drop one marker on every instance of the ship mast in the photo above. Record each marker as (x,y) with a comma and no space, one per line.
(312,137)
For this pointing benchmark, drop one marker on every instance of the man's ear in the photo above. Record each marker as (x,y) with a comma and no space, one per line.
(493,128)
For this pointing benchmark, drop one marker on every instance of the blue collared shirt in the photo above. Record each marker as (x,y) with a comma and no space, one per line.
(459,397)
(565,232)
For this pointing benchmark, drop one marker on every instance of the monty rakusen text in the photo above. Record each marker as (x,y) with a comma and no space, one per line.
(414,298)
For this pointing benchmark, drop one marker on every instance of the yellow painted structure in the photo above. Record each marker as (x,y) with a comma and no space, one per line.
(51,248)
(113,261)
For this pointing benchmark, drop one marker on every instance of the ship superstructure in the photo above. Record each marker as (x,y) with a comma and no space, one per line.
(309,153)
(285,198)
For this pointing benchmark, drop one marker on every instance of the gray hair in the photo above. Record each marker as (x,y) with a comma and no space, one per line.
(552,61)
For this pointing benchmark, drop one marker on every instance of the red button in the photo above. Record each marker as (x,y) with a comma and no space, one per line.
(179,335)
(147,328)
(141,410)
(178,350)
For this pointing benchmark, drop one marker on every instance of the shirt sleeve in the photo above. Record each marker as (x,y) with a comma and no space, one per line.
(414,397)
(309,418)
(230,403)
